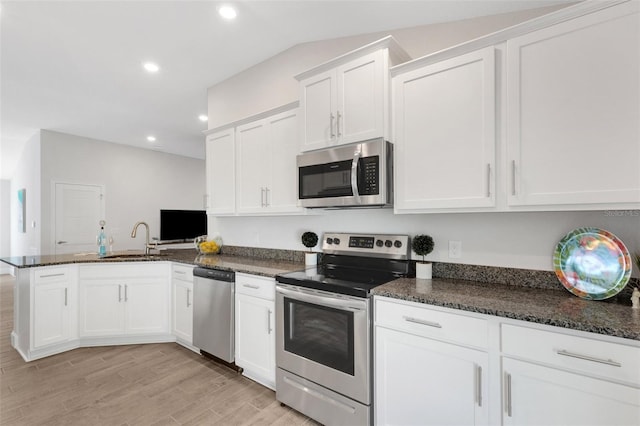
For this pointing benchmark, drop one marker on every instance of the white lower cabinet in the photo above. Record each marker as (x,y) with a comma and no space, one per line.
(255,328)
(118,300)
(441,366)
(539,395)
(54,307)
(421,380)
(557,379)
(182,306)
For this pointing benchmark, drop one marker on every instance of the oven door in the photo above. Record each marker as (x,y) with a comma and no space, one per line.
(324,338)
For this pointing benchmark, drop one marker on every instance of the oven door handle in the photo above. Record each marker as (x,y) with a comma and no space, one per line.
(304,296)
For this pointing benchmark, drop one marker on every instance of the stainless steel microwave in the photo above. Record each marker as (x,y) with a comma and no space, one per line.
(355,175)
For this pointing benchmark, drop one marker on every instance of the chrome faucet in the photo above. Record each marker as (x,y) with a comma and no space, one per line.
(147,246)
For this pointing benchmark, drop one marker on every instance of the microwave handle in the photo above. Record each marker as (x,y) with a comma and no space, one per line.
(354,174)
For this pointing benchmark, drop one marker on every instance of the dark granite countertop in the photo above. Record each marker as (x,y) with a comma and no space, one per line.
(549,306)
(544,306)
(250,265)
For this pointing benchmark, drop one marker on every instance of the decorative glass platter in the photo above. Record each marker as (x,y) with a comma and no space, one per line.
(592,263)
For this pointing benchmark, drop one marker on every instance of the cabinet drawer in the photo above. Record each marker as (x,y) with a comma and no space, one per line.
(253,285)
(51,275)
(581,354)
(423,321)
(124,270)
(182,272)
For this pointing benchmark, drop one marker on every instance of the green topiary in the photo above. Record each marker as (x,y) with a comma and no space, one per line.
(309,240)
(422,245)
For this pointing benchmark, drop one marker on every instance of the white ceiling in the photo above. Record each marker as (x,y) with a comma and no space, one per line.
(76,66)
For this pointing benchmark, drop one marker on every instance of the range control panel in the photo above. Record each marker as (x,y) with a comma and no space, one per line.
(371,245)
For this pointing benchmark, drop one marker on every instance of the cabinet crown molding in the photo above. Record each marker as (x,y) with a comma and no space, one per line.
(395,51)
(565,14)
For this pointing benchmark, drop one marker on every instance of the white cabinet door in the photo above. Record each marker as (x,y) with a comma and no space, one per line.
(345,104)
(282,192)
(360,113)
(444,133)
(253,167)
(52,312)
(266,165)
(318,97)
(220,171)
(573,102)
(537,395)
(101,308)
(146,306)
(255,338)
(427,382)
(183,310)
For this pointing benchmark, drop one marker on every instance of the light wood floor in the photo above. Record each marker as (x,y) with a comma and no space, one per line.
(154,384)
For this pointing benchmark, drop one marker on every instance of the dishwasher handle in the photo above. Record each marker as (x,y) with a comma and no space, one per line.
(215,274)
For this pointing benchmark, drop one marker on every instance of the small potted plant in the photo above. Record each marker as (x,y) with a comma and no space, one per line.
(309,240)
(422,245)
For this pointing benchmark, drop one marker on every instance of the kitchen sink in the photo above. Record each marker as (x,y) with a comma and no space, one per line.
(132,255)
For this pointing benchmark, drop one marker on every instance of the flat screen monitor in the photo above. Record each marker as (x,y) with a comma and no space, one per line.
(182,224)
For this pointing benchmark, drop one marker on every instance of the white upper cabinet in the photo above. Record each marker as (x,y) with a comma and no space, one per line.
(444,134)
(220,171)
(266,165)
(573,108)
(347,99)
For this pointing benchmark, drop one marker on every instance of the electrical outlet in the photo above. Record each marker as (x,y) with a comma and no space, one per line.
(455,249)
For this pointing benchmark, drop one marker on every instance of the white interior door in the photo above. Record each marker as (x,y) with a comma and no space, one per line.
(78,210)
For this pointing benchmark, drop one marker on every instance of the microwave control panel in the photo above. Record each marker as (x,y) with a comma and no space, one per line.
(369,176)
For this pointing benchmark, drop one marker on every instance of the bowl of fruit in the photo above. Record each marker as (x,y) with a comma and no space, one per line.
(206,246)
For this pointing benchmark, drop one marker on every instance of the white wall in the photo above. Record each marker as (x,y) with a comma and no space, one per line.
(27,176)
(518,240)
(138,183)
(5,223)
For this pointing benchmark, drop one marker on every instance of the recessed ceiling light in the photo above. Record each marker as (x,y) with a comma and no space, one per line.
(151,67)
(151,138)
(203,117)
(227,12)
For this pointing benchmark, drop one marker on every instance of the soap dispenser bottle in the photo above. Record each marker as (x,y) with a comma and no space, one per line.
(102,241)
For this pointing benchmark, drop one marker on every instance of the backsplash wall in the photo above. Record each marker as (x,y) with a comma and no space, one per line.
(513,239)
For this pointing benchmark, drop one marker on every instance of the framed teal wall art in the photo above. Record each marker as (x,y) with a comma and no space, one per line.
(22,210)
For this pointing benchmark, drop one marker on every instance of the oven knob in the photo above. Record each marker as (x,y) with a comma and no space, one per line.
(379,243)
(329,241)
(336,241)
(388,243)
(397,244)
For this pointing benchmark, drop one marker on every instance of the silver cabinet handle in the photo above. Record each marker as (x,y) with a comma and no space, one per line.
(332,133)
(180,272)
(62,242)
(588,358)
(513,177)
(479,385)
(188,293)
(66,299)
(119,293)
(269,321)
(507,393)
(126,297)
(488,180)
(52,275)
(338,124)
(266,198)
(251,286)
(261,197)
(422,322)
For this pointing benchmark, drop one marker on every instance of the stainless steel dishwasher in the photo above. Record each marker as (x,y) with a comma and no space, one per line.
(213,310)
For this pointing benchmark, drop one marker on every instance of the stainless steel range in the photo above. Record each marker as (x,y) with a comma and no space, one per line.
(324,326)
